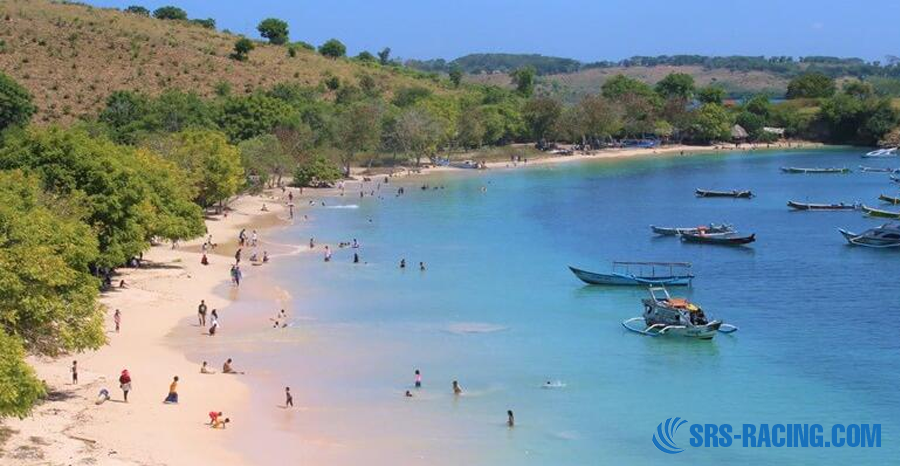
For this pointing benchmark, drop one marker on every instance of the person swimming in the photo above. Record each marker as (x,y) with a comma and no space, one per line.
(457,390)
(510,419)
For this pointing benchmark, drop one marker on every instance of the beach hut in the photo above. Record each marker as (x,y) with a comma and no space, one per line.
(738,133)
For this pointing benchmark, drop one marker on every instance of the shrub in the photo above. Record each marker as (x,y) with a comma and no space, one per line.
(170,12)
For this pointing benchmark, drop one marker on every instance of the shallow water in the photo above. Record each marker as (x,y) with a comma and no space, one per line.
(498,310)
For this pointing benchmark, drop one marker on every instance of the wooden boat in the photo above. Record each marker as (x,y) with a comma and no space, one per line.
(865,169)
(640,274)
(885,236)
(733,193)
(815,170)
(667,316)
(889,199)
(881,153)
(806,206)
(729,239)
(712,228)
(880,213)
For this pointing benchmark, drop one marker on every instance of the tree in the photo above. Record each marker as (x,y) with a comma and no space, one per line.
(759,105)
(407,96)
(265,157)
(109,186)
(170,13)
(212,165)
(711,123)
(597,117)
(384,56)
(752,123)
(365,56)
(246,117)
(358,130)
(416,132)
(541,114)
(333,48)
(471,130)
(16,108)
(620,85)
(858,89)
(242,49)
(274,29)
(810,85)
(456,76)
(676,85)
(20,388)
(138,10)
(523,79)
(711,95)
(315,171)
(208,23)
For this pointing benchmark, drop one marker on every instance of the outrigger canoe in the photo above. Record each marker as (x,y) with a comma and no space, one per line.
(815,170)
(712,228)
(889,199)
(724,240)
(676,317)
(746,194)
(640,274)
(880,213)
(806,206)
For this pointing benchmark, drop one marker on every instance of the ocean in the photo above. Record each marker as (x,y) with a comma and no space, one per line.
(498,310)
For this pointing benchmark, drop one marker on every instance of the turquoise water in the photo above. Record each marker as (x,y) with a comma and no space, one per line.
(498,310)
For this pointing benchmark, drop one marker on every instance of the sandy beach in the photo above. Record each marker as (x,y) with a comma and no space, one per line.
(159,298)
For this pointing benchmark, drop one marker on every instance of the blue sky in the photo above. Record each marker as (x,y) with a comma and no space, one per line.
(582,29)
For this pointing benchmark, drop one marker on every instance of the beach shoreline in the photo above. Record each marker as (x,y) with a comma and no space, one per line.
(160,297)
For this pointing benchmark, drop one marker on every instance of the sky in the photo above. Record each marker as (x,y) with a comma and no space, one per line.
(582,29)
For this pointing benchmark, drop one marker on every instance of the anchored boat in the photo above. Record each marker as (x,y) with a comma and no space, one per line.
(865,169)
(881,153)
(815,170)
(806,206)
(665,315)
(712,228)
(724,239)
(747,194)
(889,199)
(885,236)
(640,274)
(880,213)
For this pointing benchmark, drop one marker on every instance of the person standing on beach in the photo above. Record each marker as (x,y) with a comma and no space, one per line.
(237,256)
(74,372)
(418,379)
(201,313)
(125,383)
(117,318)
(237,275)
(172,398)
(288,399)
(242,236)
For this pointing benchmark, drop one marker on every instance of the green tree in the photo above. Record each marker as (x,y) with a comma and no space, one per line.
(365,56)
(523,79)
(858,89)
(242,49)
(540,115)
(16,108)
(620,85)
(137,10)
(597,117)
(333,48)
(677,85)
(20,388)
(752,123)
(711,123)
(456,76)
(407,96)
(317,170)
(810,85)
(208,23)
(274,29)
(759,105)
(711,95)
(358,130)
(416,133)
(246,117)
(265,157)
(384,56)
(212,165)
(170,12)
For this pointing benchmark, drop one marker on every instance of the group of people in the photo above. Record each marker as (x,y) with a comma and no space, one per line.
(457,391)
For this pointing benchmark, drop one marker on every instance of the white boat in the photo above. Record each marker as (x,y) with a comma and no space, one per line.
(885,236)
(880,153)
(668,316)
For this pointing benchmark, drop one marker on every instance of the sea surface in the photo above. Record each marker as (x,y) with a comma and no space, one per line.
(498,310)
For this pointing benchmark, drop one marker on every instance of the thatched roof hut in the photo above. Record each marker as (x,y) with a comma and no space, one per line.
(738,132)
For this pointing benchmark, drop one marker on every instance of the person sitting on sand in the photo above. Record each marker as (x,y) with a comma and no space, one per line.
(457,390)
(265,257)
(254,257)
(227,369)
(214,327)
(408,394)
(264,208)
(204,369)
(220,424)
(204,260)
(102,396)
(172,398)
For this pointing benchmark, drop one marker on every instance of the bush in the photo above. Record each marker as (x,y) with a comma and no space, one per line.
(138,10)
(333,49)
(316,172)
(242,48)
(170,12)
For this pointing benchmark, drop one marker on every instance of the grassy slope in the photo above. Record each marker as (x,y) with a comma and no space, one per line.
(71,57)
(571,86)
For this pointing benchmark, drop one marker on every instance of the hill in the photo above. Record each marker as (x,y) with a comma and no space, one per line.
(71,57)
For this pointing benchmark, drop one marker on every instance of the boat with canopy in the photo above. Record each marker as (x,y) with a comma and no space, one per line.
(640,274)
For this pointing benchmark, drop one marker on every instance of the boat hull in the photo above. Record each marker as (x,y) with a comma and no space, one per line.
(880,213)
(805,206)
(889,199)
(814,170)
(731,194)
(868,241)
(618,279)
(719,239)
(711,229)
